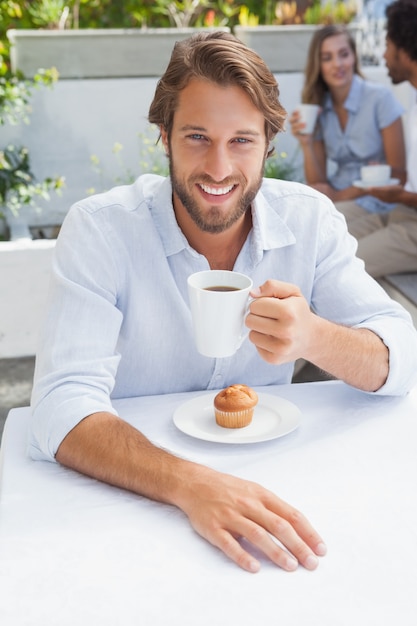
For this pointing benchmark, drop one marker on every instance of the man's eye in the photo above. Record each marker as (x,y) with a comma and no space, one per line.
(241,140)
(196,136)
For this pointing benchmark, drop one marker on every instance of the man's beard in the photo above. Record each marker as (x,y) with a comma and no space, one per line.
(396,72)
(214,220)
(396,79)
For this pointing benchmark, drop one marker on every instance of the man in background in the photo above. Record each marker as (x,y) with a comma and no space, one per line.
(387,242)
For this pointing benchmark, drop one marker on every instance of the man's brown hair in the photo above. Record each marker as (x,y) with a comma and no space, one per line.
(221,58)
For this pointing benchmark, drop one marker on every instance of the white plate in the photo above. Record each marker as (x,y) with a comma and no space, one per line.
(273,417)
(362,185)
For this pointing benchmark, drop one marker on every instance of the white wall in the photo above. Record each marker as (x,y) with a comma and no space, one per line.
(74,120)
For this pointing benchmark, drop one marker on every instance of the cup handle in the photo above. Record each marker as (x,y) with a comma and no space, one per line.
(245,329)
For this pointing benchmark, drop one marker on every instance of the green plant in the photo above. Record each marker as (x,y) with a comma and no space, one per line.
(298,12)
(152,157)
(49,13)
(280,166)
(181,14)
(330,13)
(15,94)
(254,12)
(185,13)
(246,18)
(18,185)
(152,160)
(115,13)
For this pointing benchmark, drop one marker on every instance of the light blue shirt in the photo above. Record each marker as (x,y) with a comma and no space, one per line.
(119,323)
(371,107)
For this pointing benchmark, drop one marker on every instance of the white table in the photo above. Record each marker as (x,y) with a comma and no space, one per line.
(77,552)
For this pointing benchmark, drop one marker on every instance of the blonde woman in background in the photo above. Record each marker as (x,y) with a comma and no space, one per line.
(359,123)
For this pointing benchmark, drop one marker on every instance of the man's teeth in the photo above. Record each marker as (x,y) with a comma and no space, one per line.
(216,191)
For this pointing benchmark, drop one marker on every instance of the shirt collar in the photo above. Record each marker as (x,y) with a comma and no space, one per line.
(160,205)
(269,229)
(353,101)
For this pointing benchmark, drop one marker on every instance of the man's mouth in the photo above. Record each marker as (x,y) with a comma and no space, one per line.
(216,191)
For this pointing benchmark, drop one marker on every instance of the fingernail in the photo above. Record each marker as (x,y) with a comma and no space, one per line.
(291,564)
(311,562)
(321,549)
(255,292)
(254,566)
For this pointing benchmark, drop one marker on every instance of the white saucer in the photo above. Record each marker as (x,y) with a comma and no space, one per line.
(273,417)
(362,185)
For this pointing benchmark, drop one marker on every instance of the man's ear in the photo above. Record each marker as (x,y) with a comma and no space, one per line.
(164,139)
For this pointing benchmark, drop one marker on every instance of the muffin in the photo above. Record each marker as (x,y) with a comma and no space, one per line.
(234,406)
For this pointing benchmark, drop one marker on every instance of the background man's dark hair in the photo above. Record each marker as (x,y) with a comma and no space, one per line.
(402,26)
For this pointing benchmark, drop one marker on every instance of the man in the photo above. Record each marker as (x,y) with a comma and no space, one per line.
(388,242)
(119,322)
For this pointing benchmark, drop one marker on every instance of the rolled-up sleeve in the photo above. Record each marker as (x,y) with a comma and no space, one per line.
(76,367)
(344,293)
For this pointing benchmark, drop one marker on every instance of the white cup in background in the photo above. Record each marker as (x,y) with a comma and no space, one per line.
(377,174)
(308,116)
(219,304)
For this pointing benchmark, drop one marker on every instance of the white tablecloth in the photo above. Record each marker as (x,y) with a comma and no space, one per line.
(77,552)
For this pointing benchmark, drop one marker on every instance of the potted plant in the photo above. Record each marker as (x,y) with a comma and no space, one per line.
(19,188)
(280,166)
(137,40)
(284,38)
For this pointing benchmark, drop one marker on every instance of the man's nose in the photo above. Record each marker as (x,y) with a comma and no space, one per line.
(218,163)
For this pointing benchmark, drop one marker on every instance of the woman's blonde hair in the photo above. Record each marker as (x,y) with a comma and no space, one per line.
(314,89)
(223,59)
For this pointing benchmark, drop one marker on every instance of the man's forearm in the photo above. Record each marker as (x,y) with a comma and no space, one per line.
(109,449)
(408,198)
(357,356)
(395,195)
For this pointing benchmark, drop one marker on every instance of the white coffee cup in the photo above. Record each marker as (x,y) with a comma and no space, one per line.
(219,304)
(376,174)
(308,116)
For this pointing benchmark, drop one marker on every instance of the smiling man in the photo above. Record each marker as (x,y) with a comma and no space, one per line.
(119,322)
(216,168)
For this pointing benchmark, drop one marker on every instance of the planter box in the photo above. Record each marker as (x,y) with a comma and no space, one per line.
(283,48)
(25,265)
(24,280)
(95,53)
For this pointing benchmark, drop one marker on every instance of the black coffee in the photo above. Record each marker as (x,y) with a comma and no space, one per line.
(221,288)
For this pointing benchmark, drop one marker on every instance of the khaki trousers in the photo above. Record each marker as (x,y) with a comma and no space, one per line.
(387,242)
